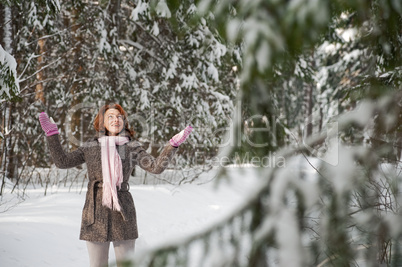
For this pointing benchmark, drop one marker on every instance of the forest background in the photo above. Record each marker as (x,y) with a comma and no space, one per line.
(256,79)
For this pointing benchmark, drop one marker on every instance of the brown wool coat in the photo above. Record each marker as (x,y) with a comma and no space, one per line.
(99,223)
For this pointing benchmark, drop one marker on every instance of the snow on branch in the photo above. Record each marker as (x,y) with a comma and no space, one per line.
(9,82)
(291,218)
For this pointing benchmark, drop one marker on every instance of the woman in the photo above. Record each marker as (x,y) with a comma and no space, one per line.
(109,213)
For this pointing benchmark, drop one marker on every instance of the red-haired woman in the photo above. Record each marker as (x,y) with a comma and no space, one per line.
(109,213)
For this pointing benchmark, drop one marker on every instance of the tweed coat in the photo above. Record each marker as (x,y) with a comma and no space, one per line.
(99,223)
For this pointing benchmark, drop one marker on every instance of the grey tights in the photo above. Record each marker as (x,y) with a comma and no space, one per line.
(99,252)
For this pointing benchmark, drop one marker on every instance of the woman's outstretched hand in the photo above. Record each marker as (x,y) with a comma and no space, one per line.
(179,138)
(48,125)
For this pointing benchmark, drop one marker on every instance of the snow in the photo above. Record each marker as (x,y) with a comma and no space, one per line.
(144,97)
(361,115)
(213,72)
(342,175)
(233,28)
(189,81)
(56,3)
(163,10)
(44,230)
(263,56)
(354,55)
(155,29)
(141,9)
(288,240)
(347,35)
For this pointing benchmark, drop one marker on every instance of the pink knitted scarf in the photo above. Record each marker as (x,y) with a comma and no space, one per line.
(112,170)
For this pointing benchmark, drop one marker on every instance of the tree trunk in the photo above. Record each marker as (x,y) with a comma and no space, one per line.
(113,26)
(309,110)
(76,87)
(39,93)
(6,38)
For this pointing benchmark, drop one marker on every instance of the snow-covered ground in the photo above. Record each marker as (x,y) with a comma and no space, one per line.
(43,230)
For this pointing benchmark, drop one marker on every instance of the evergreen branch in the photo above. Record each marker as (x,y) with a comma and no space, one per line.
(141,48)
(41,69)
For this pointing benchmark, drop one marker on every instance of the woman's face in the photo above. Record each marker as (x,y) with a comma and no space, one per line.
(113,121)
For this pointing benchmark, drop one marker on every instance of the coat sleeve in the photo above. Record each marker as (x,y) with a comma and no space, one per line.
(151,164)
(62,159)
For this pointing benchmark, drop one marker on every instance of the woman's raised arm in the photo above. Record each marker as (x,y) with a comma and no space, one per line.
(159,164)
(62,159)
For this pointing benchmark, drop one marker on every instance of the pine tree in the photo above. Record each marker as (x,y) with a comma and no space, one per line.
(351,199)
(74,57)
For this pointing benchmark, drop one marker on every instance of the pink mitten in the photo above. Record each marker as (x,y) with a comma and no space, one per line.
(48,125)
(179,138)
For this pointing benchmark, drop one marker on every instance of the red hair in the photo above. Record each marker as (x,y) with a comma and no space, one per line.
(99,120)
